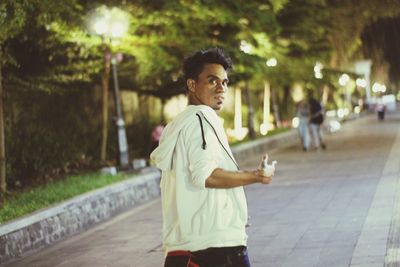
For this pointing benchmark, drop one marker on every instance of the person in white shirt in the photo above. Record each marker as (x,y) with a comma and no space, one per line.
(203,201)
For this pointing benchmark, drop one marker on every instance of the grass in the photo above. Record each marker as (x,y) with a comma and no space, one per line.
(22,203)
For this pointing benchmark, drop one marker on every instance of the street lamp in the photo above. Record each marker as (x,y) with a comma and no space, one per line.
(112,24)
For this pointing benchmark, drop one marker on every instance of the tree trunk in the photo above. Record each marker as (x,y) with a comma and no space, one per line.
(325,94)
(286,112)
(105,85)
(250,113)
(3,182)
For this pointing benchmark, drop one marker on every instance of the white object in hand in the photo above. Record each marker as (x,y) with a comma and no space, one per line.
(269,169)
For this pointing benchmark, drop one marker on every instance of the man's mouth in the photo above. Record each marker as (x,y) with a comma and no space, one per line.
(220,99)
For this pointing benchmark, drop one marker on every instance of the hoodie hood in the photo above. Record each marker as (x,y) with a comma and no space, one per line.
(162,155)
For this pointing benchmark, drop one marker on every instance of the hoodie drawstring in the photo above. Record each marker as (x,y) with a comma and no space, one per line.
(202,133)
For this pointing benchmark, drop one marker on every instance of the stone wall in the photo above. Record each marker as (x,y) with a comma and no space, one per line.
(44,227)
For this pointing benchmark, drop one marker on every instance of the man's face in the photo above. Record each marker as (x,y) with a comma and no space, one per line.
(210,87)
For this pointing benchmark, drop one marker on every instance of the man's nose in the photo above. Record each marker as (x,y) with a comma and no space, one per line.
(221,87)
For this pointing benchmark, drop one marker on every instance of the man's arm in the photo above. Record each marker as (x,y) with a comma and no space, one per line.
(220,178)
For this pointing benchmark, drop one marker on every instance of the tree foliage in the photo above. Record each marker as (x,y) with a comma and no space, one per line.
(47,49)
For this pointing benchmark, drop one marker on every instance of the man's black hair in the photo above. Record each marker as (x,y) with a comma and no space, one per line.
(193,65)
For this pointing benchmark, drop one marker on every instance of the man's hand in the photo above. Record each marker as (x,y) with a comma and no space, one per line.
(263,179)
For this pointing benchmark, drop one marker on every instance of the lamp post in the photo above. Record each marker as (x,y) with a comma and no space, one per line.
(122,140)
(112,24)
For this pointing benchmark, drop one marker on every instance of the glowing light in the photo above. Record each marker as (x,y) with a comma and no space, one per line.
(357,109)
(109,22)
(272,62)
(377,87)
(118,29)
(317,70)
(238,134)
(264,129)
(340,113)
(334,126)
(318,67)
(100,26)
(245,47)
(318,75)
(331,113)
(361,82)
(344,79)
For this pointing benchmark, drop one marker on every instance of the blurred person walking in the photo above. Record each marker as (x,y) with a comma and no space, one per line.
(303,114)
(380,108)
(155,138)
(316,120)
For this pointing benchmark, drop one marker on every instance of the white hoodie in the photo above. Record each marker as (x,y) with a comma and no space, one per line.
(196,217)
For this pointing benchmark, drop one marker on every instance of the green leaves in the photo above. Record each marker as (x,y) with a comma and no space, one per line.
(161,33)
(12,18)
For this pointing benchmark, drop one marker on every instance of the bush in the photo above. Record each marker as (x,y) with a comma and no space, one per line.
(49,133)
(52,135)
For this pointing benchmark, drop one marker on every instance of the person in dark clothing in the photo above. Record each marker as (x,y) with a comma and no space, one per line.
(380,109)
(316,120)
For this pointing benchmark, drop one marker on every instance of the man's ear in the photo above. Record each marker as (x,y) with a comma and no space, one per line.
(191,84)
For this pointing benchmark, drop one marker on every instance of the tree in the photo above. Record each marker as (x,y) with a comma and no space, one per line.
(13,20)
(327,31)
(381,43)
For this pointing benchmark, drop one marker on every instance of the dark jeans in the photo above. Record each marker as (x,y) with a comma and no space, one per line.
(212,257)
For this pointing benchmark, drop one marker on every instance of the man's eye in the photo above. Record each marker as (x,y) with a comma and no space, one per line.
(225,83)
(213,82)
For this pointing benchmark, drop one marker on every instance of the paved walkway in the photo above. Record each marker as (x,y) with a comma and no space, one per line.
(338,207)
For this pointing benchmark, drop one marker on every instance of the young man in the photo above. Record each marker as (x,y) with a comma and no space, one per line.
(203,201)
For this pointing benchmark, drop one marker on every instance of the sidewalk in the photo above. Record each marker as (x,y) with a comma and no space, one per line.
(338,207)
